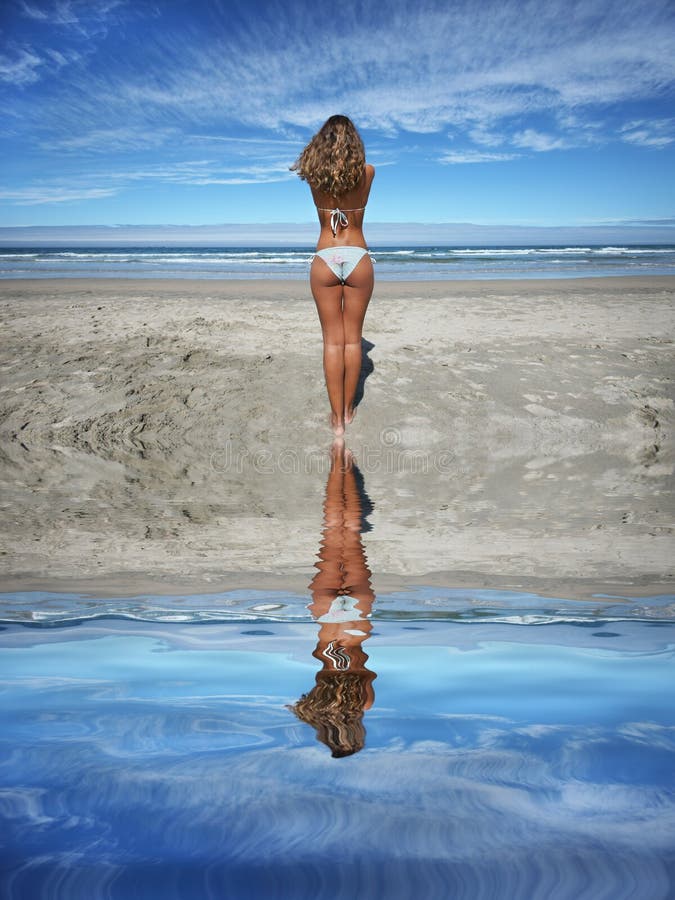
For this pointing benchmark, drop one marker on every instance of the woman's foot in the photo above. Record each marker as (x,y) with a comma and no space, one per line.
(337,424)
(349,415)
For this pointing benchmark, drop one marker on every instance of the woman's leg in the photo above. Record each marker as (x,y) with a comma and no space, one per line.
(357,292)
(327,293)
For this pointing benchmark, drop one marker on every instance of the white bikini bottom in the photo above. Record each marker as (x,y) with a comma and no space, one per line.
(342,609)
(342,260)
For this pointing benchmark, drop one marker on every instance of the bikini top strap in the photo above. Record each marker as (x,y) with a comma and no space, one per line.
(338,219)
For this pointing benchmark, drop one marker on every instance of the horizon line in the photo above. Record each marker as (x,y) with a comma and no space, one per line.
(647,232)
(608,223)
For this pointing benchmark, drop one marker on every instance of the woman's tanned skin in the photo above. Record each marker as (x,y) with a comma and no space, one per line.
(341,307)
(344,686)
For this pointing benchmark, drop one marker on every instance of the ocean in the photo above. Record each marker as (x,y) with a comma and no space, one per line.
(392,263)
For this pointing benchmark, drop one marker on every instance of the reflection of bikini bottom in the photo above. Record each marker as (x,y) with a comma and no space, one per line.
(342,260)
(342,609)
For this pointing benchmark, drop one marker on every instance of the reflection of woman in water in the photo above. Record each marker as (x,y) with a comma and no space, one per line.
(342,600)
(341,278)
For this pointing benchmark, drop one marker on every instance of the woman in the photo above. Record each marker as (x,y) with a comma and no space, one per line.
(342,602)
(341,277)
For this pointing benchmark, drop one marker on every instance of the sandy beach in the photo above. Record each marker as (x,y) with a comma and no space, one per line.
(171,436)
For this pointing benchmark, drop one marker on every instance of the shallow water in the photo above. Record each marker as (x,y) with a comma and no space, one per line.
(152,759)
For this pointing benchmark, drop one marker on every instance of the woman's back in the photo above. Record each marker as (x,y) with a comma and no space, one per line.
(352,204)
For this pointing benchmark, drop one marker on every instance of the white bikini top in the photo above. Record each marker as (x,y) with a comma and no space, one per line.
(338,219)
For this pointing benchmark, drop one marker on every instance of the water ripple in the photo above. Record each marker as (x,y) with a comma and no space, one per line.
(42,608)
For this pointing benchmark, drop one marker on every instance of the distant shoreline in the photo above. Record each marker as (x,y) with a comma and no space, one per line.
(654,231)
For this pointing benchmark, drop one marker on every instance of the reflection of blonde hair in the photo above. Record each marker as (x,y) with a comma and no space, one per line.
(334,707)
(334,160)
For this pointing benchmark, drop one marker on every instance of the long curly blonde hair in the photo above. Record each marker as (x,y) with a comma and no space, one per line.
(334,707)
(334,160)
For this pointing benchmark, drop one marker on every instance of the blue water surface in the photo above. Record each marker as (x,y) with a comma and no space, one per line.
(151,759)
(292,262)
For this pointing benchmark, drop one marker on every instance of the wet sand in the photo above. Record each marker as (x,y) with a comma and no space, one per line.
(171,436)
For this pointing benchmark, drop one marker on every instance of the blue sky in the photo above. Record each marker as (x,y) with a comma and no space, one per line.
(189,113)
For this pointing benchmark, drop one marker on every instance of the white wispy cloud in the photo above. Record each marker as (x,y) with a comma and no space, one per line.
(84,16)
(34,195)
(419,68)
(105,140)
(140,137)
(239,179)
(201,172)
(20,66)
(63,32)
(655,133)
(59,58)
(259,142)
(456,157)
(529,139)
(24,65)
(485,138)
(504,79)
(205,171)
(179,172)
(55,13)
